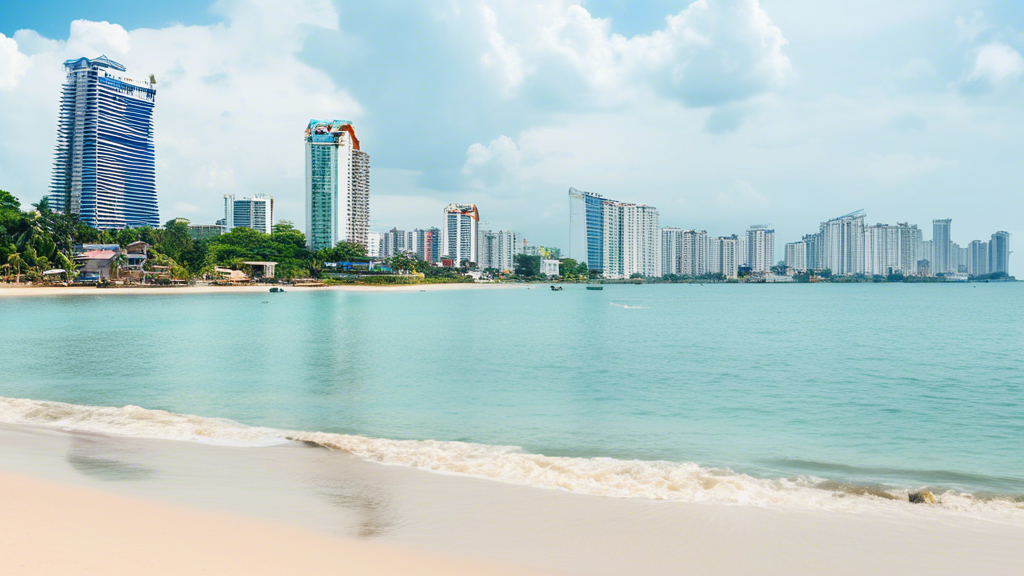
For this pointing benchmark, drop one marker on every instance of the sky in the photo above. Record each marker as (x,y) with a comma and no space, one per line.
(721,113)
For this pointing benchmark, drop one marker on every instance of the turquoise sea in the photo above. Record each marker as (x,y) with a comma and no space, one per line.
(645,390)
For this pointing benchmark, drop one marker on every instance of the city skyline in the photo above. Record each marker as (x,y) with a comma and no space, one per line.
(746,154)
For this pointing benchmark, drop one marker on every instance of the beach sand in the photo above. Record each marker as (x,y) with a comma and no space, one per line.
(52,528)
(16,290)
(133,505)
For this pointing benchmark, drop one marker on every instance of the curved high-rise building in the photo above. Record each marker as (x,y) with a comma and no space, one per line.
(104,166)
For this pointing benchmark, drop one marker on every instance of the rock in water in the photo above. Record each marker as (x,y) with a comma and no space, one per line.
(922,497)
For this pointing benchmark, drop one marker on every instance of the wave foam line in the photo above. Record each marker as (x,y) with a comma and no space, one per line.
(655,480)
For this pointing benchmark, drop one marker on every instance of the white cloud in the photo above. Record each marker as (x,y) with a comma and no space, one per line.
(708,54)
(232,101)
(995,64)
(495,165)
(501,54)
(94,38)
(13,64)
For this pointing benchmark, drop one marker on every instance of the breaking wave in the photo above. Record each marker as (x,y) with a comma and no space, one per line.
(655,480)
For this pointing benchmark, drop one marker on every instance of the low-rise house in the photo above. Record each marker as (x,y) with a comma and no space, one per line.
(97,265)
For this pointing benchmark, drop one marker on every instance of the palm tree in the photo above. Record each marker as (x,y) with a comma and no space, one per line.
(16,261)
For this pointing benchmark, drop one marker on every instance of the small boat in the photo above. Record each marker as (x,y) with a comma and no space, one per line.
(595,287)
(556,288)
(277,289)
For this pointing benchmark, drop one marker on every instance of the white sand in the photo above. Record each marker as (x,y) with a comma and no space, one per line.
(51,528)
(263,496)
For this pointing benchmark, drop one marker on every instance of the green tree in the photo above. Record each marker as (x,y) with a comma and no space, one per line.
(527,266)
(343,252)
(8,203)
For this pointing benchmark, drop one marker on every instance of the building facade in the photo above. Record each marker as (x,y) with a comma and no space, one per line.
(459,236)
(375,244)
(977,258)
(999,253)
(631,240)
(796,256)
(104,166)
(498,250)
(723,256)
(760,248)
(841,244)
(940,259)
(256,212)
(337,185)
(616,239)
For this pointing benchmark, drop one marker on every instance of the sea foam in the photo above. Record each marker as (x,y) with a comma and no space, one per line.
(654,480)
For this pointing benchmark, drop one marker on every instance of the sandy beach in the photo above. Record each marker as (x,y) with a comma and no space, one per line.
(90,503)
(16,290)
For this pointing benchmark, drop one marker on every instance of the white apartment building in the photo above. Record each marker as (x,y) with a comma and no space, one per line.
(841,244)
(796,256)
(375,244)
(337,185)
(671,250)
(498,250)
(256,212)
(632,240)
(459,235)
(723,256)
(760,248)
(549,267)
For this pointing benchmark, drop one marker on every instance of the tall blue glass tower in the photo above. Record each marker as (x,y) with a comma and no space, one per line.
(104,166)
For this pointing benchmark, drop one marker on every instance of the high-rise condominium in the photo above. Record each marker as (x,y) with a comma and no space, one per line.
(498,250)
(723,256)
(104,166)
(256,212)
(760,248)
(891,249)
(999,253)
(618,239)
(941,262)
(841,244)
(337,185)
(684,252)
(459,234)
(796,255)
(977,258)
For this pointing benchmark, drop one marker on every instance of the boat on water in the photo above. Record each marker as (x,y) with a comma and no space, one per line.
(595,287)
(277,289)
(556,288)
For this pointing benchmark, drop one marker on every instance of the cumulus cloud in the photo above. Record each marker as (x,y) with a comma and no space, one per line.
(995,65)
(710,53)
(232,101)
(495,165)
(97,38)
(13,64)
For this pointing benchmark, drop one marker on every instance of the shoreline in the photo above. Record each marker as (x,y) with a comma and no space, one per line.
(9,290)
(226,505)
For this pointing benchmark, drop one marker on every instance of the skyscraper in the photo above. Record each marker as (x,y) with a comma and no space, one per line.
(671,250)
(104,166)
(586,228)
(760,248)
(617,239)
(977,258)
(459,236)
(337,185)
(941,262)
(256,212)
(632,240)
(796,255)
(999,253)
(841,247)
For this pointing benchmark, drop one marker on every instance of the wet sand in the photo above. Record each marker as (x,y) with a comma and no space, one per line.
(272,501)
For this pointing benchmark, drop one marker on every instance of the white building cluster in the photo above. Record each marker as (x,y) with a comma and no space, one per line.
(847,246)
(616,239)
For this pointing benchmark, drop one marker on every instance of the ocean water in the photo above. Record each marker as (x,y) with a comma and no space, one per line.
(840,396)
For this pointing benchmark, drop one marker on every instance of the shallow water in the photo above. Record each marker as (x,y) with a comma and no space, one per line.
(898,386)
